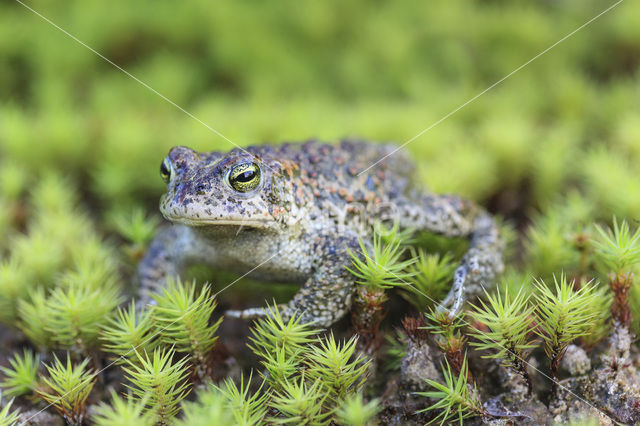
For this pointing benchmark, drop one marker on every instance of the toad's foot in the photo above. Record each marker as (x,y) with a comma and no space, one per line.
(480,265)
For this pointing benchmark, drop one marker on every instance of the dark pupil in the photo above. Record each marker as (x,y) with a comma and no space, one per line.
(163,169)
(246,176)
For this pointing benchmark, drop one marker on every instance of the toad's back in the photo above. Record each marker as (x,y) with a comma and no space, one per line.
(339,180)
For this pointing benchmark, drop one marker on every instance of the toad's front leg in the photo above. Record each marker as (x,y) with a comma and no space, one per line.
(326,295)
(170,252)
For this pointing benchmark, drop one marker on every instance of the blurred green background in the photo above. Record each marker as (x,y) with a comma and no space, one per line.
(275,71)
(560,137)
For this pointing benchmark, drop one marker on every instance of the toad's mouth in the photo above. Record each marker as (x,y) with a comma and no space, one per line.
(223,222)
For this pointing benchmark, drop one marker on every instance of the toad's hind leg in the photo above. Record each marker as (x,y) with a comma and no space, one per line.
(454,217)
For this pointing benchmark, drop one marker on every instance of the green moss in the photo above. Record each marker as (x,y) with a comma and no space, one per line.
(34,318)
(306,379)
(8,417)
(355,412)
(455,399)
(76,314)
(22,377)
(182,321)
(432,276)
(300,402)
(246,409)
(37,261)
(127,331)
(12,289)
(273,332)
(67,388)
(382,267)
(337,367)
(13,181)
(123,412)
(509,321)
(210,408)
(135,227)
(613,183)
(618,248)
(555,239)
(565,313)
(159,381)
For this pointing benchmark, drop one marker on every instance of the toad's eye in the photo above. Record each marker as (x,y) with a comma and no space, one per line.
(165,170)
(244,177)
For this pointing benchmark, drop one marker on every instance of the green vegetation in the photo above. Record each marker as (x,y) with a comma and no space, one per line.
(619,251)
(300,402)
(330,364)
(553,151)
(377,269)
(183,320)
(246,409)
(382,267)
(159,381)
(509,323)
(124,412)
(433,273)
(273,334)
(135,227)
(67,388)
(564,314)
(8,417)
(127,332)
(22,377)
(355,412)
(309,377)
(447,334)
(211,408)
(74,315)
(619,248)
(455,398)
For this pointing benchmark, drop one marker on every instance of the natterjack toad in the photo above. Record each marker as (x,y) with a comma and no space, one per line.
(295,210)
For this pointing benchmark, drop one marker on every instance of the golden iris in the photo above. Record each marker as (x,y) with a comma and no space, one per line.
(165,170)
(244,177)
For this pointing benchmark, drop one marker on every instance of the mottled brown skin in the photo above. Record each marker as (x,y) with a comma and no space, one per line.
(309,209)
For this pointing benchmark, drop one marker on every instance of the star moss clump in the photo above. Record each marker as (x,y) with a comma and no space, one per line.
(66,387)
(21,378)
(509,322)
(309,377)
